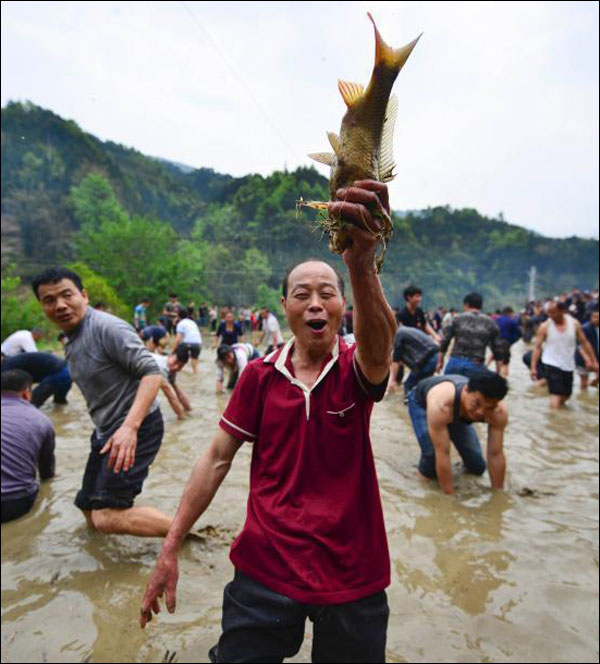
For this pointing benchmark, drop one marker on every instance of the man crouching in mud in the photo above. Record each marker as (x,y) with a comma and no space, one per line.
(314,542)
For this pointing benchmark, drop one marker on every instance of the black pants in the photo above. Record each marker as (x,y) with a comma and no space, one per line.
(260,625)
(13,509)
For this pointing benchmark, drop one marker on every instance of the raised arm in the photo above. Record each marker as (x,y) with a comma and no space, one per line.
(363,207)
(207,475)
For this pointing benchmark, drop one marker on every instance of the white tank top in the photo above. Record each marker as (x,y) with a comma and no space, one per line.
(559,349)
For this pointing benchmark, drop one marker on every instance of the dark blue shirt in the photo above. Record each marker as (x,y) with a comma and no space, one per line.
(230,337)
(37,365)
(509,329)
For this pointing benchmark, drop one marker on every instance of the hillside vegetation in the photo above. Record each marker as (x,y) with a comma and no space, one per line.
(145,226)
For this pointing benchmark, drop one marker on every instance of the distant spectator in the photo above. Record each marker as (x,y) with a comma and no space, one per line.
(412,315)
(509,333)
(229,331)
(27,445)
(170,312)
(140,318)
(271,332)
(22,341)
(590,330)
(188,336)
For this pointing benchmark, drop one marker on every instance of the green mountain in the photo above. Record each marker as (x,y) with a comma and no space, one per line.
(228,226)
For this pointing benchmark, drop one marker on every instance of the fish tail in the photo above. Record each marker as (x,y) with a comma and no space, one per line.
(388,57)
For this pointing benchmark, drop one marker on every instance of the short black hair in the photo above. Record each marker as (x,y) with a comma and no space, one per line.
(172,294)
(223,350)
(507,311)
(490,384)
(473,300)
(562,306)
(284,284)
(411,290)
(15,380)
(53,275)
(594,308)
(182,353)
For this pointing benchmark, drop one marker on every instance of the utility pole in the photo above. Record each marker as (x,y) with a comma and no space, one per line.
(532,274)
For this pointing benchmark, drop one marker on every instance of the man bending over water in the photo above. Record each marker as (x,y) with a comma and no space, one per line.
(443,409)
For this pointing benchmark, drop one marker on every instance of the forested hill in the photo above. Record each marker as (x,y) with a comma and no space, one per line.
(145,225)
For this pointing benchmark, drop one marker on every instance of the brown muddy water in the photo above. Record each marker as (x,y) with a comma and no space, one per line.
(481,576)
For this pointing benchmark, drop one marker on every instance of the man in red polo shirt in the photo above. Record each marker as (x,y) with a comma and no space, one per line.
(314,542)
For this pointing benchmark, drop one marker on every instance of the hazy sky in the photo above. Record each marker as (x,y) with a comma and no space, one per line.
(498,102)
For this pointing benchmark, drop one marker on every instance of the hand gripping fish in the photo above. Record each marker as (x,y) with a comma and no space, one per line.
(363,150)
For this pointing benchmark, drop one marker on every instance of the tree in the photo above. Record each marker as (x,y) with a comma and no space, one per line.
(94,202)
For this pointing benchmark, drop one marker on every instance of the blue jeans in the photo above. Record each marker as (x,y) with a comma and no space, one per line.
(462,435)
(428,369)
(462,366)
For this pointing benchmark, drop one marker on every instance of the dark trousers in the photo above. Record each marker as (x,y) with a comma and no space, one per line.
(57,384)
(260,625)
(13,509)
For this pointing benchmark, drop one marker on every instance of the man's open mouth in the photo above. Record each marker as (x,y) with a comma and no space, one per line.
(316,324)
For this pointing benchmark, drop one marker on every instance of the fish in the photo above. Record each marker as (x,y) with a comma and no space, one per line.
(363,150)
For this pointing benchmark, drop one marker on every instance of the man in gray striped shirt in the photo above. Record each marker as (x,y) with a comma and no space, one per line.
(472,332)
(119,380)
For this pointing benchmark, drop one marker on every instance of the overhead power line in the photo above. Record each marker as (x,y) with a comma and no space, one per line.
(265,115)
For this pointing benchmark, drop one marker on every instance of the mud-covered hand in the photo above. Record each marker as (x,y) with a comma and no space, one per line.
(122,446)
(162,582)
(365,208)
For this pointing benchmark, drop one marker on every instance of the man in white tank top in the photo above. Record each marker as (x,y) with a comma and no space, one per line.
(558,338)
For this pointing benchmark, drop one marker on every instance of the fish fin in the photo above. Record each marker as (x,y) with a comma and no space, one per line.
(392,58)
(386,146)
(323,157)
(351,92)
(334,139)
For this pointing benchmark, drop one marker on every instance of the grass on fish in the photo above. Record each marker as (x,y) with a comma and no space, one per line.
(328,225)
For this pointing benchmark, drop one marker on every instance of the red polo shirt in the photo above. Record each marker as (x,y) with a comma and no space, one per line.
(314,528)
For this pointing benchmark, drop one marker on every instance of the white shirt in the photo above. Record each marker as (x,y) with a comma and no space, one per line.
(190,331)
(243,352)
(271,326)
(21,341)
(559,349)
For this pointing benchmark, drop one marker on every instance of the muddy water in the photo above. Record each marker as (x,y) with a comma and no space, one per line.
(481,576)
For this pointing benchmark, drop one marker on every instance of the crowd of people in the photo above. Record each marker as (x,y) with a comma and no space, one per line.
(305,404)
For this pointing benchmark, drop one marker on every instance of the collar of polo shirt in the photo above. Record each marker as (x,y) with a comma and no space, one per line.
(280,365)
